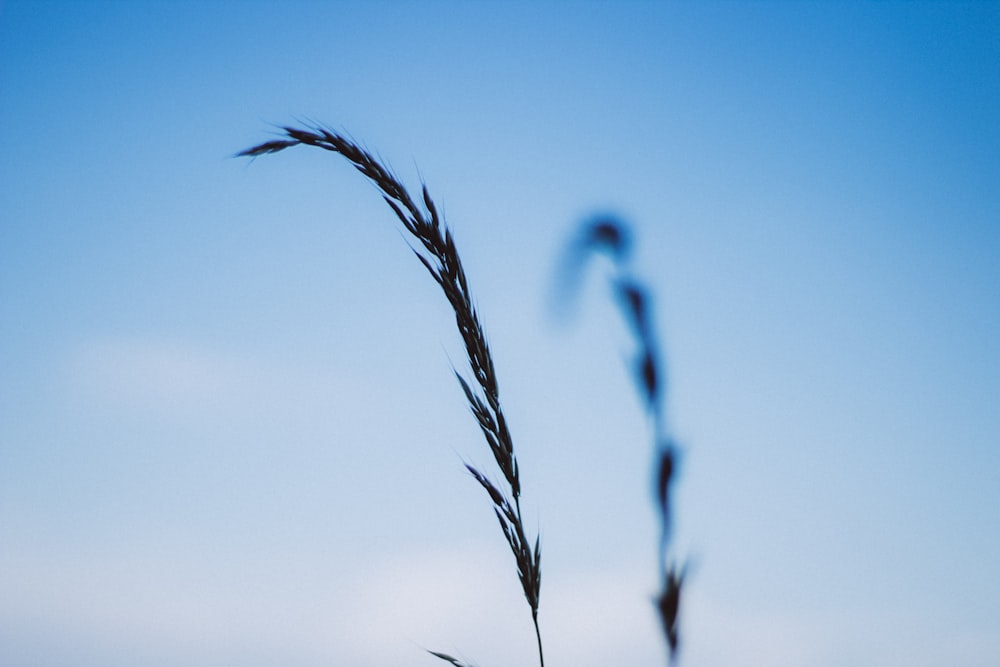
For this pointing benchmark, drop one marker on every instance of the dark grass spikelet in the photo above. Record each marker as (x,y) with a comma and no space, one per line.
(447,658)
(434,247)
(609,236)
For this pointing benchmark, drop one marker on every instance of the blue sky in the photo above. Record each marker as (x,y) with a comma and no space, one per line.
(229,432)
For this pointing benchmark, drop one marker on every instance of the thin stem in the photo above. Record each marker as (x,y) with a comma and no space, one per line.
(538,636)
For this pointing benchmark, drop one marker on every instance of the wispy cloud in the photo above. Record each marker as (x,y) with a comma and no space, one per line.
(162,375)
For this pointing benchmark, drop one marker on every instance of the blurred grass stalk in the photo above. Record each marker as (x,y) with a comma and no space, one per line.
(609,236)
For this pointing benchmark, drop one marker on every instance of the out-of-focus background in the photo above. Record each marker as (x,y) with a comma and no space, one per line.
(229,429)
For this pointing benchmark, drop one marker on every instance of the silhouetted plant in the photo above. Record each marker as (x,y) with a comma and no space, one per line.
(435,248)
(609,236)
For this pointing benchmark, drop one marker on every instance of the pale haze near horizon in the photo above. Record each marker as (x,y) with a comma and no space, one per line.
(229,429)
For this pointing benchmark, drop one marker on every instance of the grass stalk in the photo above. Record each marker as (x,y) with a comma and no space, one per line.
(432,242)
(610,237)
